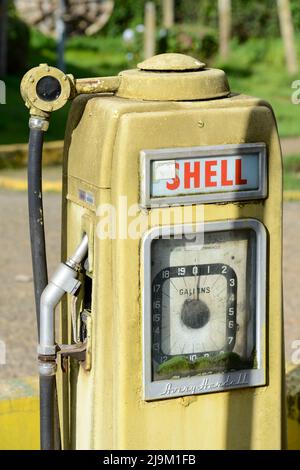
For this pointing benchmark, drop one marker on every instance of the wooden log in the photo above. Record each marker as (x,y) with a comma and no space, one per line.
(150,24)
(287,33)
(168,13)
(224,27)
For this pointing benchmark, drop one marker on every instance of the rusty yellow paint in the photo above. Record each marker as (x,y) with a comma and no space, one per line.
(97,85)
(171,86)
(107,409)
(21,184)
(56,186)
(33,101)
(19,411)
(151,109)
(171,62)
(19,414)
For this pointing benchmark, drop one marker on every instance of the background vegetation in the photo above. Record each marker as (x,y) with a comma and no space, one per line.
(256,64)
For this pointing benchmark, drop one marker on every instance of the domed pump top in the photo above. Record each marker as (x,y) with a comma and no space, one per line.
(173,77)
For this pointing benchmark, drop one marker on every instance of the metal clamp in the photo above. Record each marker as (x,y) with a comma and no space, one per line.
(75,351)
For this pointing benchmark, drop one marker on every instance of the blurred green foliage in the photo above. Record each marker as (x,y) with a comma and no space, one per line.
(127,14)
(191,11)
(251,18)
(255,66)
(185,39)
(85,57)
(291,175)
(254,19)
(196,29)
(195,32)
(18,38)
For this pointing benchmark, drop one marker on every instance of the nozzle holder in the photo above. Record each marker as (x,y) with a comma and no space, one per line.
(46,88)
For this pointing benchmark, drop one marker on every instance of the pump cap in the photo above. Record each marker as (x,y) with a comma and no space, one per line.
(173,77)
(171,62)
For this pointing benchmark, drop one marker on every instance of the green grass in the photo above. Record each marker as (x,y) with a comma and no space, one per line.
(256,68)
(291,174)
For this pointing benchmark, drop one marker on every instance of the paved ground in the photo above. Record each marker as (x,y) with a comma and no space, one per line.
(290,146)
(291,274)
(17,318)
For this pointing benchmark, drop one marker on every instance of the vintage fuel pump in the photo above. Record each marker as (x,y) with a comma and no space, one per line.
(172,194)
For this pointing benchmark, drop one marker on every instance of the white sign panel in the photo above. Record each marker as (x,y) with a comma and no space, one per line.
(207,175)
(203,174)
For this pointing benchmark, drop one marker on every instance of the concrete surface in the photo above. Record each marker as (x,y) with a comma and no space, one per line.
(291,275)
(17,317)
(19,414)
(290,146)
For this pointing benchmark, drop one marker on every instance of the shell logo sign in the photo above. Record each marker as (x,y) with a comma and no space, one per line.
(198,175)
(210,173)
(201,175)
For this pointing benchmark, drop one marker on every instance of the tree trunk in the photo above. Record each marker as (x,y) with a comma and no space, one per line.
(224,27)
(287,33)
(61,34)
(150,24)
(168,13)
(3,38)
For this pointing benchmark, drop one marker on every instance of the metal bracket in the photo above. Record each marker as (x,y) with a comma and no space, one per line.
(76,351)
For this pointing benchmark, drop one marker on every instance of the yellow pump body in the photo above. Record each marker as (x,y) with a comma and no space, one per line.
(174,125)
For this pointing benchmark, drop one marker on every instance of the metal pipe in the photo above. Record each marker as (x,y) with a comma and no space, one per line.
(79,254)
(63,280)
(97,85)
(37,127)
(47,411)
(48,404)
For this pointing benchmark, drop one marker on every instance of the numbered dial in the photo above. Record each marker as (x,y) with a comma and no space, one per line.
(203,303)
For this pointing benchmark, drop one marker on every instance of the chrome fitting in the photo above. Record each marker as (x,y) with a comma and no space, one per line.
(45,350)
(63,281)
(75,260)
(47,369)
(39,123)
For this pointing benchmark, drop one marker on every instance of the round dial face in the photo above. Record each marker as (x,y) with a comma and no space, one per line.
(201,303)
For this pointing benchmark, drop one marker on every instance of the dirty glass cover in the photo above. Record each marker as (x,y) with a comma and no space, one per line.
(203,304)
